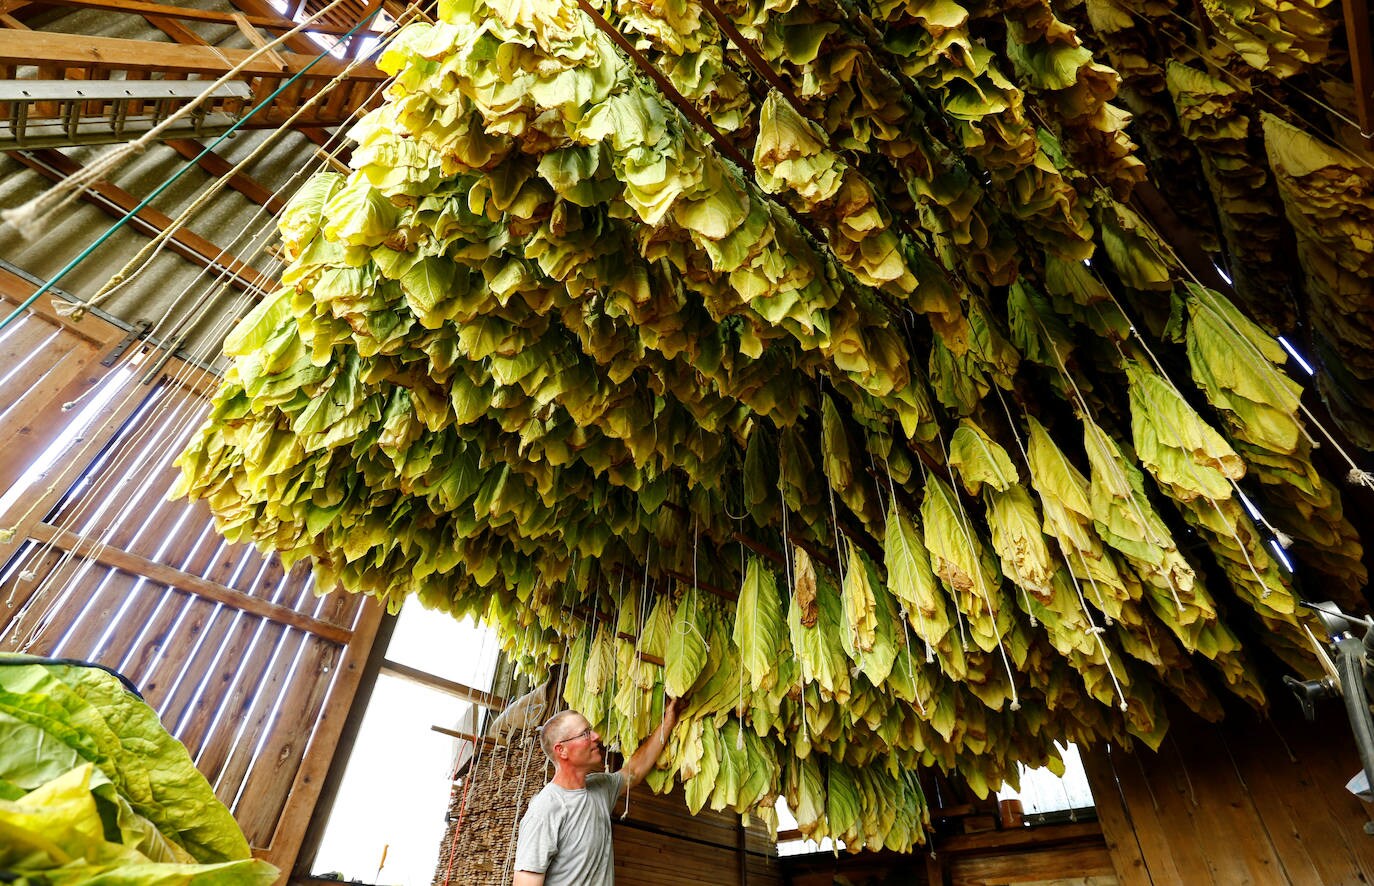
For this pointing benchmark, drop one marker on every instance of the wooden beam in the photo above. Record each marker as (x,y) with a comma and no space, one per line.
(1357,35)
(176,30)
(259,9)
(1023,838)
(309,844)
(483,740)
(116,201)
(80,51)
(433,681)
(219,167)
(299,808)
(251,34)
(161,573)
(271,22)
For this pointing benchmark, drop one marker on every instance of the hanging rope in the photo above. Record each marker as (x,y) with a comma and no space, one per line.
(29,219)
(190,164)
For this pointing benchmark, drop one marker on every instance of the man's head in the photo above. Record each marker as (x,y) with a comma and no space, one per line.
(569,741)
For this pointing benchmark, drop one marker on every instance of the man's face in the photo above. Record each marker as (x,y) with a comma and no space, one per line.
(580,746)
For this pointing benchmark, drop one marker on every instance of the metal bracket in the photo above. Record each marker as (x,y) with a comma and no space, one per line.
(139,331)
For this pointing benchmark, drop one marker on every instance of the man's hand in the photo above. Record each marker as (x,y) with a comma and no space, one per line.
(644,757)
(672,710)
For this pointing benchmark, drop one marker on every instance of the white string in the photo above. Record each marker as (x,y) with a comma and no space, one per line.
(170,430)
(1093,629)
(965,526)
(29,218)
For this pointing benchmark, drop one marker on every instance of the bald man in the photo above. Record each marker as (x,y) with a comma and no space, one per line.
(565,836)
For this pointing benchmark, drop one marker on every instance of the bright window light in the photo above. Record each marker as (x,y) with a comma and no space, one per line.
(1281,554)
(1293,352)
(71,435)
(1042,792)
(786,822)
(394,793)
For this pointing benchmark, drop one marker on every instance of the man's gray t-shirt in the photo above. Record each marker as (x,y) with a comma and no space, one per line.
(566,835)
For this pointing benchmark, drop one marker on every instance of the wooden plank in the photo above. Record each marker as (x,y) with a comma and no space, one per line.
(457,690)
(1112,815)
(324,739)
(276,647)
(98,605)
(186,13)
(668,815)
(143,523)
(1357,35)
(250,34)
(40,498)
(648,859)
(1065,864)
(214,675)
(338,607)
(1315,826)
(1020,838)
(169,652)
(159,629)
(15,289)
(1148,815)
(175,29)
(274,767)
(1222,806)
(26,599)
(342,751)
(80,50)
(191,584)
(69,358)
(117,202)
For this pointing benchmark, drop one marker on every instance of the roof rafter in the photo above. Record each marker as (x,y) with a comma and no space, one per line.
(116,201)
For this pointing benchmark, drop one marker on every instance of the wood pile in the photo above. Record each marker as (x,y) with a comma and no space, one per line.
(485,810)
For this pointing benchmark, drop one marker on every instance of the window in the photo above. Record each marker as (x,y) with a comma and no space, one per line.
(388,820)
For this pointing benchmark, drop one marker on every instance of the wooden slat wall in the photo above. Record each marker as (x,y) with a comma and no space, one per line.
(661,842)
(1246,801)
(243,662)
(1045,855)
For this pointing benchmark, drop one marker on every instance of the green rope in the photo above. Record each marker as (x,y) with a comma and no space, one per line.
(85,253)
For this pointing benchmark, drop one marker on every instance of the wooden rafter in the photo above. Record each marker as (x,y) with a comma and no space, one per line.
(270,20)
(175,29)
(72,57)
(217,166)
(108,555)
(80,51)
(1357,31)
(261,9)
(116,201)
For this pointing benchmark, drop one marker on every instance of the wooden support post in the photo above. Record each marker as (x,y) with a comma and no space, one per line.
(1357,35)
(324,742)
(348,737)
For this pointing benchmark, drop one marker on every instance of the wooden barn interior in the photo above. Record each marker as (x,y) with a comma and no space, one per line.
(965,407)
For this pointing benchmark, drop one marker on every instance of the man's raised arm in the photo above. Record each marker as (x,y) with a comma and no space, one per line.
(644,757)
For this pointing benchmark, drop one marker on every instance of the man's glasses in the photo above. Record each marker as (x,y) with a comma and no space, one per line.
(578,737)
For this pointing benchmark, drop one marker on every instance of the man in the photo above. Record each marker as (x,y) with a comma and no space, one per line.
(565,836)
